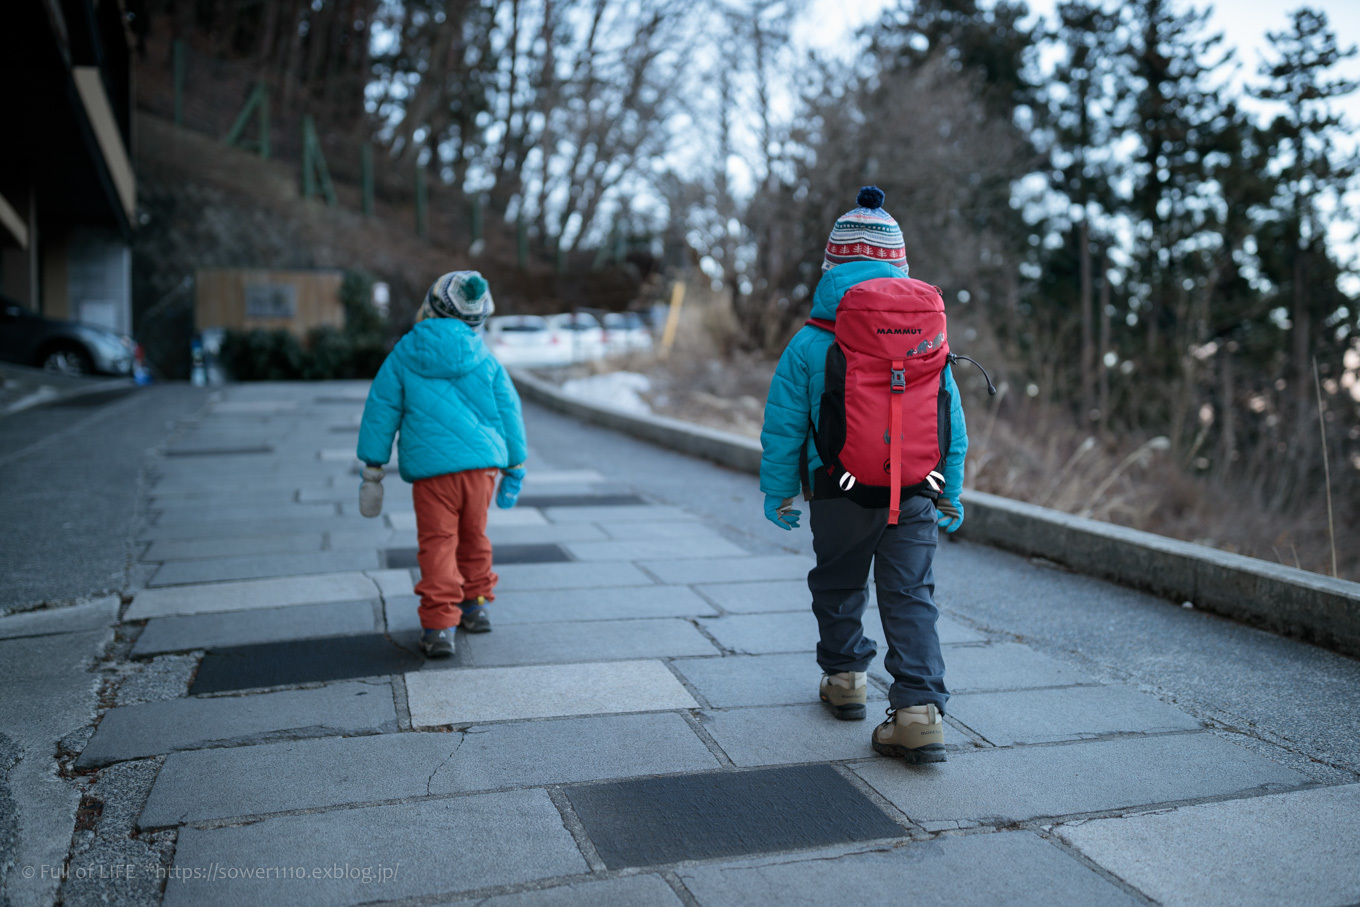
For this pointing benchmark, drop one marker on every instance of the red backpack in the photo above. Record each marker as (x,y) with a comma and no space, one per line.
(884,431)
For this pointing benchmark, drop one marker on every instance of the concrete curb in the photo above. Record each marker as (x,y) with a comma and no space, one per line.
(23,388)
(1285,600)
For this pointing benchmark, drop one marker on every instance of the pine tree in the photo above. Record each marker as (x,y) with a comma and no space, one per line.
(1086,89)
(1313,180)
(1175,67)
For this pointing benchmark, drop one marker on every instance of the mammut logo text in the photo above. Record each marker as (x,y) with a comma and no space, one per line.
(898,330)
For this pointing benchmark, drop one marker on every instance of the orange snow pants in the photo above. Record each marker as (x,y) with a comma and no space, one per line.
(455,554)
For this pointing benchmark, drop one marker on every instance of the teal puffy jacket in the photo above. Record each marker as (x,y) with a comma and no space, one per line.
(795,398)
(452,401)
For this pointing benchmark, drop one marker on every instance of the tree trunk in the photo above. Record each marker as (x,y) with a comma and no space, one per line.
(1102,368)
(1228,402)
(1088,350)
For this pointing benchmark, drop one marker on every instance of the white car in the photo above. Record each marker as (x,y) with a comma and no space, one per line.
(625,332)
(580,333)
(524,340)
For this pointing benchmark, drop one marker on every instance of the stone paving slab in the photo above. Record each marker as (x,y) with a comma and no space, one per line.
(1012,868)
(303,661)
(187,517)
(402,615)
(237,628)
(615,603)
(518,577)
(295,774)
(797,733)
(95,614)
(648,821)
(370,534)
(533,477)
(646,513)
(1075,713)
(213,497)
(275,489)
(581,497)
(432,847)
(572,749)
(196,549)
(251,594)
(650,549)
(223,474)
(149,729)
(758,680)
(764,634)
(1295,848)
(603,640)
(1008,785)
(473,695)
(687,526)
(226,569)
(627,891)
(253,407)
(756,598)
(1005,666)
(547,533)
(392,582)
(221,529)
(732,569)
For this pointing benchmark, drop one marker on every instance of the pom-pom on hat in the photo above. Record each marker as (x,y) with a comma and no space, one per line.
(866,233)
(459,294)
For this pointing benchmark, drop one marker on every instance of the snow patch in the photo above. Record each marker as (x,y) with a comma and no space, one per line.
(617,390)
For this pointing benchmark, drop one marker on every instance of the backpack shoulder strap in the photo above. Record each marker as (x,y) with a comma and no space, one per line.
(828,326)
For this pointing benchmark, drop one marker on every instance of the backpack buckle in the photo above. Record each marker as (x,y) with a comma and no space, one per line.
(899,381)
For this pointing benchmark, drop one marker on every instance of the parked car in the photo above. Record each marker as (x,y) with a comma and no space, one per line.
(626,332)
(27,338)
(524,340)
(581,333)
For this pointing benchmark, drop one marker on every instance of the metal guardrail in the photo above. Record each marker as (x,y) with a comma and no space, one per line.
(1284,600)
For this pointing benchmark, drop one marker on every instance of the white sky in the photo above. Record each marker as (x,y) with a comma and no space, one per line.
(829,25)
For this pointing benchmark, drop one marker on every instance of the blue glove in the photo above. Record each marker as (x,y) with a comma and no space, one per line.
(951,512)
(779,511)
(508,494)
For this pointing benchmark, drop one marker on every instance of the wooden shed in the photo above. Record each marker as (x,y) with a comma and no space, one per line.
(249,298)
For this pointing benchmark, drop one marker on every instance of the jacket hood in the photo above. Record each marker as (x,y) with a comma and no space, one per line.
(442,348)
(836,282)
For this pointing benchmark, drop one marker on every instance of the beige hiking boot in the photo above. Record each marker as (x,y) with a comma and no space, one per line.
(845,694)
(916,734)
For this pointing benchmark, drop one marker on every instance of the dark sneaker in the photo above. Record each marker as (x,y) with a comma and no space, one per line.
(475,619)
(437,643)
(916,734)
(845,694)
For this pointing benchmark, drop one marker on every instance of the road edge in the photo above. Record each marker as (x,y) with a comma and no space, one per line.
(1285,600)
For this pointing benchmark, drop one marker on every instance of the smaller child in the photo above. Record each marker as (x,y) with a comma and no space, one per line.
(460,424)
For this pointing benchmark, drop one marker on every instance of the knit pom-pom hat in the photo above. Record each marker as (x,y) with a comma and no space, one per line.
(866,233)
(459,294)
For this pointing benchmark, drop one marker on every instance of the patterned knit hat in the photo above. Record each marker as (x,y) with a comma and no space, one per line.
(867,233)
(459,294)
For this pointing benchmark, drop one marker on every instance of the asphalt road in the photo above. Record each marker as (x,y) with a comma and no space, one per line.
(69,490)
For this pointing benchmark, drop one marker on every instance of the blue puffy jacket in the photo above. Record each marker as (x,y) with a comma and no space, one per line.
(795,398)
(452,401)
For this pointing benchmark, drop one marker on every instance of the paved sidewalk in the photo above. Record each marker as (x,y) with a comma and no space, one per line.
(640,728)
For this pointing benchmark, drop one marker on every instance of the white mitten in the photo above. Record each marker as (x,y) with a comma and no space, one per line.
(370,491)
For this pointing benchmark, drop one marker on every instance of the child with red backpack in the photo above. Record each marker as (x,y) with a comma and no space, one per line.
(864,416)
